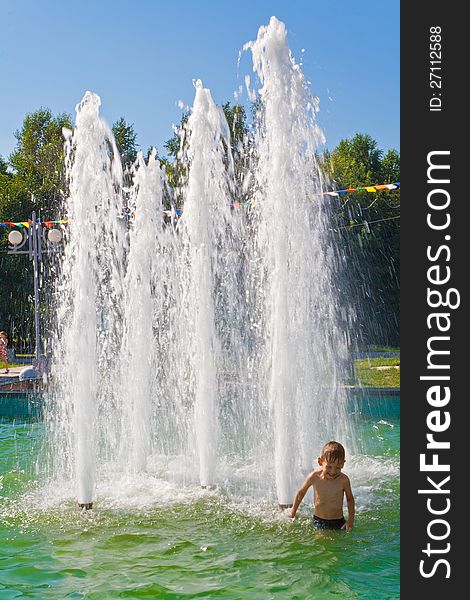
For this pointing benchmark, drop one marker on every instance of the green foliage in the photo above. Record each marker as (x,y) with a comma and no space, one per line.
(175,169)
(3,166)
(16,301)
(240,142)
(125,136)
(355,162)
(370,233)
(236,119)
(390,167)
(38,180)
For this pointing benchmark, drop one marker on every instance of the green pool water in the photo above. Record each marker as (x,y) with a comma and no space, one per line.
(203,546)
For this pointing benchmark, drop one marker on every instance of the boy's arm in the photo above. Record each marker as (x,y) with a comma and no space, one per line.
(351,505)
(301,493)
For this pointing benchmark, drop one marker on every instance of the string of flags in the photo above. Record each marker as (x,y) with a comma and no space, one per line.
(336,193)
(369,188)
(178,212)
(26,224)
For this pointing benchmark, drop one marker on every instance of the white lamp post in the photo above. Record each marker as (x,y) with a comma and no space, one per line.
(37,244)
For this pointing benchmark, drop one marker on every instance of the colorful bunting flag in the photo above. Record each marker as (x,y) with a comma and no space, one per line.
(26,224)
(179,211)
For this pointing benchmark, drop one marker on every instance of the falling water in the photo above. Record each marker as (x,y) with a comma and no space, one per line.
(304,347)
(146,242)
(204,227)
(90,290)
(207,350)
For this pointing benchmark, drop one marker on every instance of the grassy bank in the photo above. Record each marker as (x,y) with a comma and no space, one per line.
(378,372)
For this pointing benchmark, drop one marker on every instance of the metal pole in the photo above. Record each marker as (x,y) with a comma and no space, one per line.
(36,252)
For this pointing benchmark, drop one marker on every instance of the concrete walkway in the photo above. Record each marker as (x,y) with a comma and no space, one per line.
(12,376)
(14,371)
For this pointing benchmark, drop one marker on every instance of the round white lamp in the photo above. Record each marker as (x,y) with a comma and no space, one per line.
(54,236)
(15,237)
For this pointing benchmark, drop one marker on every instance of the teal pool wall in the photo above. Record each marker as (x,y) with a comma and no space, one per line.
(16,404)
(375,402)
(362,401)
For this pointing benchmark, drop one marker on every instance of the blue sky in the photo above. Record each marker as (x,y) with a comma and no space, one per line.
(141,57)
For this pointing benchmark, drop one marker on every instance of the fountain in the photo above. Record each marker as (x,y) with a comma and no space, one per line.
(301,358)
(90,290)
(138,357)
(208,352)
(205,220)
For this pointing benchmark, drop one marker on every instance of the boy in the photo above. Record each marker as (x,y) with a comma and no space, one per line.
(329,488)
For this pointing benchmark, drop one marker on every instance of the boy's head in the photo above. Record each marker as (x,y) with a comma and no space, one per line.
(332,459)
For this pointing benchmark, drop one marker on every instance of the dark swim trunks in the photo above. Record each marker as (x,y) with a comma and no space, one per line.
(320,523)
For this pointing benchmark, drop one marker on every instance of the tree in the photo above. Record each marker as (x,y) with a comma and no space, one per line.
(125,136)
(236,119)
(240,146)
(5,181)
(38,164)
(355,162)
(390,167)
(175,169)
(3,166)
(370,232)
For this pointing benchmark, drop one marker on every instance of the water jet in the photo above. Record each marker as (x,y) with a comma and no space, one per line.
(211,350)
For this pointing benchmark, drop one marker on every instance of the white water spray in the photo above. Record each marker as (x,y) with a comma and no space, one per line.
(303,341)
(211,351)
(90,292)
(138,361)
(204,224)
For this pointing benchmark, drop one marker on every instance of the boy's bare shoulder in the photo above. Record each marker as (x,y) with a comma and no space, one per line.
(309,480)
(313,476)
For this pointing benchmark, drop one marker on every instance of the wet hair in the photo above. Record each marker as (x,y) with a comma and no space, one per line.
(333,452)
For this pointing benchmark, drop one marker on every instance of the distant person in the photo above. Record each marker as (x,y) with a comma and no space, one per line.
(4,350)
(330,486)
